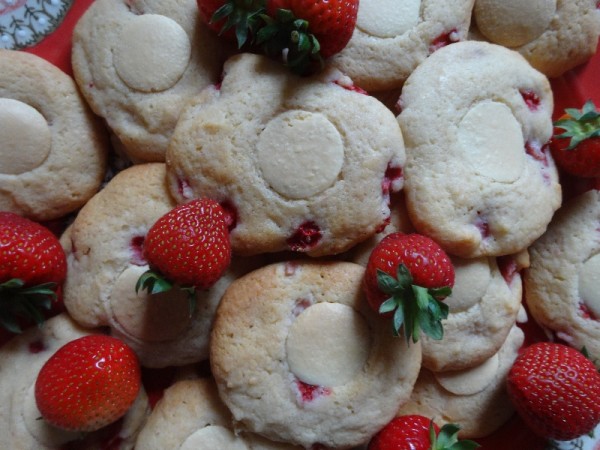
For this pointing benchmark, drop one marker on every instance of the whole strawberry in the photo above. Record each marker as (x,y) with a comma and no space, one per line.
(188,246)
(408,274)
(88,383)
(33,267)
(415,432)
(556,390)
(575,145)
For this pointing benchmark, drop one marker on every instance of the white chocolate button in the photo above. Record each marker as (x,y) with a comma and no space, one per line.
(300,154)
(213,437)
(491,141)
(513,23)
(25,137)
(152,318)
(328,344)
(589,283)
(44,433)
(470,381)
(388,18)
(472,278)
(152,53)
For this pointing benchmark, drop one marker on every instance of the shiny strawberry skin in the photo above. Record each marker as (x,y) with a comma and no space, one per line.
(582,161)
(190,244)
(426,261)
(332,22)
(555,390)
(29,252)
(409,432)
(88,383)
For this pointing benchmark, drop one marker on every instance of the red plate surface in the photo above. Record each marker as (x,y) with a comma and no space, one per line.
(570,90)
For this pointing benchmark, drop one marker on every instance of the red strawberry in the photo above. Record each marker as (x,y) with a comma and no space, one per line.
(189,246)
(33,267)
(575,145)
(409,274)
(414,432)
(88,383)
(555,390)
(234,19)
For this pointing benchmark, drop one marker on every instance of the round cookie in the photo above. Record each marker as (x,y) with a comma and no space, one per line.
(295,347)
(561,284)
(484,305)
(475,398)
(191,416)
(138,62)
(21,359)
(393,37)
(298,167)
(479,178)
(104,247)
(553,35)
(53,150)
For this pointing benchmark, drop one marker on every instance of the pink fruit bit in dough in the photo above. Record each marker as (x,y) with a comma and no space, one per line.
(231,215)
(393,175)
(508,268)
(444,39)
(300,305)
(184,189)
(482,225)
(532,100)
(305,237)
(36,346)
(308,392)
(137,251)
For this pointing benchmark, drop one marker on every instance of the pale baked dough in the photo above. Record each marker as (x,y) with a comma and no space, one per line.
(479,179)
(191,416)
(53,150)
(553,35)
(393,37)
(295,347)
(138,63)
(561,285)
(104,247)
(290,156)
(475,399)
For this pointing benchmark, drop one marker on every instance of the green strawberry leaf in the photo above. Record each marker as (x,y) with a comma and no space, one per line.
(155,283)
(17,300)
(447,439)
(581,125)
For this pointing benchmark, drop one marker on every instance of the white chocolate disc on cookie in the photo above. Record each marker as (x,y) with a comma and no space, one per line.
(472,278)
(492,122)
(152,53)
(589,280)
(388,18)
(328,344)
(213,437)
(513,22)
(469,381)
(300,153)
(25,136)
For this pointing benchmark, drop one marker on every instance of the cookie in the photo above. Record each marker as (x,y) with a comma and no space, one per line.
(53,150)
(20,425)
(190,415)
(561,284)
(138,62)
(479,179)
(476,398)
(484,305)
(298,167)
(105,257)
(392,38)
(553,35)
(295,347)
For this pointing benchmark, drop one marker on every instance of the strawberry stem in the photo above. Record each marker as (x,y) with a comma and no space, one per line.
(19,301)
(415,308)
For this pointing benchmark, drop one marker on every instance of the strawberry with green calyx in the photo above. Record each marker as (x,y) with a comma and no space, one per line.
(33,268)
(415,432)
(88,383)
(408,275)
(237,20)
(575,145)
(556,390)
(188,246)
